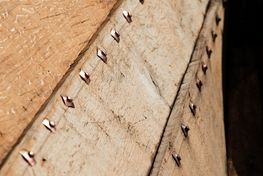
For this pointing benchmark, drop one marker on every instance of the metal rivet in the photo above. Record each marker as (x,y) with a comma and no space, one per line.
(115,35)
(28,156)
(218,19)
(208,52)
(102,55)
(177,159)
(84,76)
(50,125)
(185,130)
(204,68)
(199,84)
(127,16)
(67,101)
(192,107)
(214,36)
(141,1)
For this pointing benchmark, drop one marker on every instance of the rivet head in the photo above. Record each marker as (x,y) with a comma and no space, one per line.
(177,159)
(204,68)
(208,52)
(192,107)
(185,130)
(84,76)
(199,84)
(50,125)
(127,16)
(102,55)
(67,101)
(214,36)
(115,35)
(28,156)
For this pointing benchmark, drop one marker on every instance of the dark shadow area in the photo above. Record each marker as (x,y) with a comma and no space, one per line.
(243,88)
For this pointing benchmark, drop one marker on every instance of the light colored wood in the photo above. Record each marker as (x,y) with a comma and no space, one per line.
(39,40)
(119,117)
(203,152)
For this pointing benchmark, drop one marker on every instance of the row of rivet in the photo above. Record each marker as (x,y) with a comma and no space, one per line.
(50,125)
(28,156)
(184,128)
(214,36)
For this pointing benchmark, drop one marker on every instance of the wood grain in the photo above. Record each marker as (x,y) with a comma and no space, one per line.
(203,152)
(119,117)
(39,40)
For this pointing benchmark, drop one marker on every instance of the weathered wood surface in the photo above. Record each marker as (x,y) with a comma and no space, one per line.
(203,152)
(119,117)
(39,40)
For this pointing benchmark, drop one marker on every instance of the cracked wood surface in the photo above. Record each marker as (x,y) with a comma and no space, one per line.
(203,152)
(119,117)
(39,40)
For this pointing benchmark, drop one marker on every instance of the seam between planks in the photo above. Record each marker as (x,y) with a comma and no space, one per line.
(164,141)
(62,80)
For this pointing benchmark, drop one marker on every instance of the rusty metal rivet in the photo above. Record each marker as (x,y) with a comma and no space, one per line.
(102,55)
(214,36)
(127,16)
(199,84)
(84,76)
(208,52)
(67,101)
(185,130)
(28,156)
(192,107)
(50,125)
(115,35)
(204,68)
(177,159)
(218,19)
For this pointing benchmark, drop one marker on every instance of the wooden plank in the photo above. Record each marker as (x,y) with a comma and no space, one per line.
(119,117)
(39,40)
(203,152)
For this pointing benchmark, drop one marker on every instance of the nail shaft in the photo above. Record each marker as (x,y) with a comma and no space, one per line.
(102,55)
(127,16)
(50,125)
(28,156)
(185,130)
(204,68)
(208,52)
(192,108)
(214,36)
(199,84)
(115,35)
(67,101)
(177,159)
(218,19)
(84,76)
